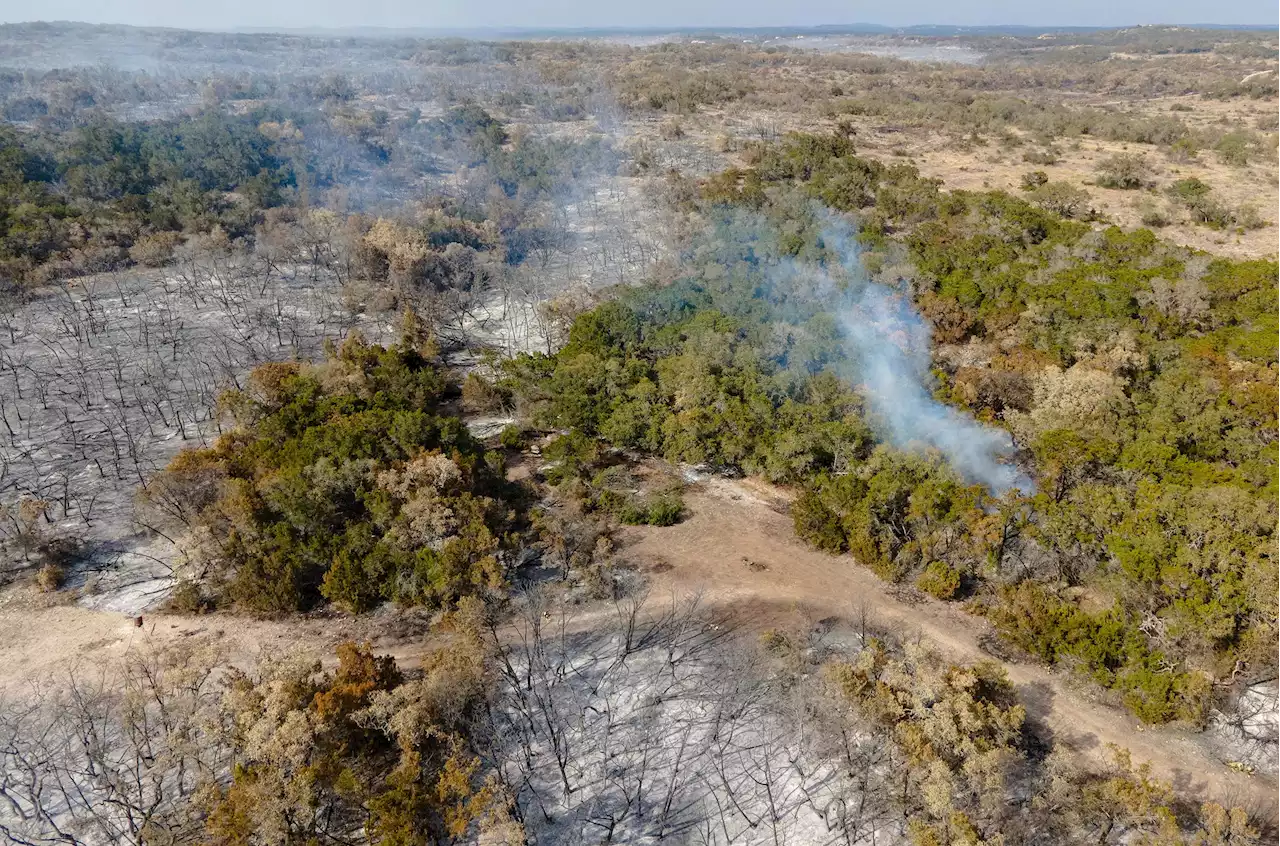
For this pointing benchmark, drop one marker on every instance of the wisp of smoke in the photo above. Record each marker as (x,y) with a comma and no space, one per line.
(889,343)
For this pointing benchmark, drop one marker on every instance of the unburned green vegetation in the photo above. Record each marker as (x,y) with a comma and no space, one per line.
(1138,378)
(345,481)
(238,227)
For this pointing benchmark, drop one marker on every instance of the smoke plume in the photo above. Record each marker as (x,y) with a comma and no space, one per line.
(889,344)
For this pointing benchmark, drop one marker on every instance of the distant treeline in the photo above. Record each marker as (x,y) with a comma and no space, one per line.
(108,194)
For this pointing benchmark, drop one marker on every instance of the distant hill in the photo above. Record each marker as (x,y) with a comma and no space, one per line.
(515,33)
(921,30)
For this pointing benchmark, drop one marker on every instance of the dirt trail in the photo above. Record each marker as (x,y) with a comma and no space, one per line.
(38,640)
(735,547)
(738,550)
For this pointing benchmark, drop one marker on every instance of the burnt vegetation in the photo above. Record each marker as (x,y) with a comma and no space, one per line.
(320,326)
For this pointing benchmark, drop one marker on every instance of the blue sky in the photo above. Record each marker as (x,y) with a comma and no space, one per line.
(594,13)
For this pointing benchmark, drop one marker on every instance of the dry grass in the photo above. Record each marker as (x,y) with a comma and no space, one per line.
(993,166)
(781,104)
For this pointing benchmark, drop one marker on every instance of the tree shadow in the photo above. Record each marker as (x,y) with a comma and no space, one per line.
(1039,738)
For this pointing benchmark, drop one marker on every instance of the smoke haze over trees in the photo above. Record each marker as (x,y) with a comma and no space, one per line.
(432,342)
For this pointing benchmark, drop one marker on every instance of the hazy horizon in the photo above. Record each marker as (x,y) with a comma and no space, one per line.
(580,14)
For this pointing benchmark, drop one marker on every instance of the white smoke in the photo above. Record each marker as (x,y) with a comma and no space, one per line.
(889,345)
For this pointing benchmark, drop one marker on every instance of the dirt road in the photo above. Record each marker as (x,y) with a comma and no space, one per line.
(736,547)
